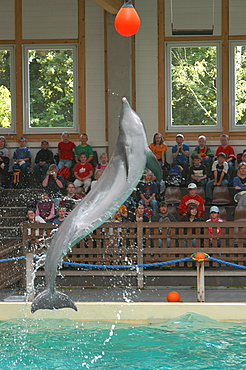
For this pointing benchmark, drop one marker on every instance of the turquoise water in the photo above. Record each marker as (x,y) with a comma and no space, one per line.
(188,342)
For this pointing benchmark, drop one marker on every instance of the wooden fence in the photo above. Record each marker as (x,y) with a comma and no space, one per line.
(11,271)
(145,243)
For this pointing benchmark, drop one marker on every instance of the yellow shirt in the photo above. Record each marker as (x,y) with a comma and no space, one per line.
(158,149)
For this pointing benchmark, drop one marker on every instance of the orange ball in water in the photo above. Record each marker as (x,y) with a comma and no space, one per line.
(200,256)
(173,296)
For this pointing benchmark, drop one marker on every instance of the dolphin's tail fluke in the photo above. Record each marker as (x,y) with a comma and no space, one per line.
(49,301)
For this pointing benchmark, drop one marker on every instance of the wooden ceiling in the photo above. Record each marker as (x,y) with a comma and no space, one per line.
(111,6)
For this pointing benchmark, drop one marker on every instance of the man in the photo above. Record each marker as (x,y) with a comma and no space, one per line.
(163,216)
(239,183)
(44,158)
(192,198)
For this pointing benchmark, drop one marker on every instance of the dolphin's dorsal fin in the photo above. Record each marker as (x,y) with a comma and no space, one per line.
(153,165)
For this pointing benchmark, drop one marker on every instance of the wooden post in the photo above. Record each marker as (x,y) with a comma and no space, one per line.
(200,282)
(140,275)
(29,276)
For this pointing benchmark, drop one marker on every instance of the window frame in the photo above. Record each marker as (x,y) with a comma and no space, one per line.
(232,86)
(26,90)
(168,87)
(12,128)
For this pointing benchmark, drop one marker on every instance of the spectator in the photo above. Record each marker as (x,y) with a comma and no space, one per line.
(192,198)
(53,184)
(98,174)
(61,215)
(4,161)
(198,172)
(32,217)
(241,157)
(180,153)
(83,172)
(85,148)
(22,157)
(120,215)
(65,151)
(191,216)
(104,162)
(45,208)
(44,158)
(163,215)
(229,152)
(220,175)
(159,148)
(139,215)
(148,190)
(205,154)
(70,200)
(214,217)
(239,183)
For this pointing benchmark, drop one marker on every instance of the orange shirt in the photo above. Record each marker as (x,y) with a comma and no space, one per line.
(158,149)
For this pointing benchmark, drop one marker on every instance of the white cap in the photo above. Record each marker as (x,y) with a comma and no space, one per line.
(214,209)
(180,135)
(192,186)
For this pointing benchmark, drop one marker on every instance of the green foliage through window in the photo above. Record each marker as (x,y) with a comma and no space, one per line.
(5,92)
(240,84)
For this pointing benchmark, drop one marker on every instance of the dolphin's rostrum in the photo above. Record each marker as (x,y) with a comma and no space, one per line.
(119,179)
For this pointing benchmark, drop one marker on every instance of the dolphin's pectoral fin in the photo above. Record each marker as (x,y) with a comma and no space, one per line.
(153,165)
(46,300)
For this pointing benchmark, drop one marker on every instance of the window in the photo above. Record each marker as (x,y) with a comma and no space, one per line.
(50,88)
(7,96)
(193,87)
(238,85)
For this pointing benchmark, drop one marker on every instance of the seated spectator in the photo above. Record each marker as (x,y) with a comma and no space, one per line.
(65,151)
(53,184)
(70,200)
(191,216)
(139,215)
(148,190)
(205,154)
(45,208)
(44,158)
(83,171)
(180,153)
(229,152)
(159,148)
(120,215)
(214,217)
(163,215)
(104,162)
(22,157)
(85,148)
(239,183)
(241,157)
(192,198)
(61,215)
(4,161)
(32,217)
(220,175)
(198,172)
(97,175)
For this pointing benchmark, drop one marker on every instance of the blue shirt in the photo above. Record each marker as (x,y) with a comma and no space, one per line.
(181,158)
(22,153)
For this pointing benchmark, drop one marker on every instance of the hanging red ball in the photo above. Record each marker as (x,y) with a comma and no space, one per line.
(127,21)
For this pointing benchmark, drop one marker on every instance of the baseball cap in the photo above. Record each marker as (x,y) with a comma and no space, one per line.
(180,135)
(192,186)
(214,209)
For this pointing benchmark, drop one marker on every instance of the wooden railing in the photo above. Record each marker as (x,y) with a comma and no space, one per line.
(145,243)
(11,271)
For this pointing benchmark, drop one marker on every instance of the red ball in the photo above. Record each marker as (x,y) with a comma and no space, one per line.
(127,21)
(173,296)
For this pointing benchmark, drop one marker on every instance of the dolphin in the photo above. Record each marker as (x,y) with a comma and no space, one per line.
(117,182)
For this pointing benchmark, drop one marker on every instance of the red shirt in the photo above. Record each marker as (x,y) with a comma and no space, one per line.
(187,200)
(66,150)
(228,150)
(83,170)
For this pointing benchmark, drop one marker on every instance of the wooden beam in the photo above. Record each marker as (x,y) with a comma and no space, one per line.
(111,6)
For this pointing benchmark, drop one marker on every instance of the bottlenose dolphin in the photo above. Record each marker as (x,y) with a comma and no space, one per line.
(119,179)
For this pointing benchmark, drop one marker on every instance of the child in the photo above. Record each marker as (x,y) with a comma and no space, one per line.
(148,191)
(228,150)
(214,217)
(180,153)
(205,154)
(66,151)
(44,158)
(85,148)
(198,172)
(97,175)
(83,172)
(22,157)
(220,174)
(45,208)
(104,162)
(159,148)
(4,161)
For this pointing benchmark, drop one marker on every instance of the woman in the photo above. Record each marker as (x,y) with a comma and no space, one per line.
(191,216)
(53,185)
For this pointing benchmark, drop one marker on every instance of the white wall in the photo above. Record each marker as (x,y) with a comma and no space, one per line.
(7,20)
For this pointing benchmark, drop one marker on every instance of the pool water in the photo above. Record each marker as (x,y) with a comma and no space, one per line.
(189,342)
